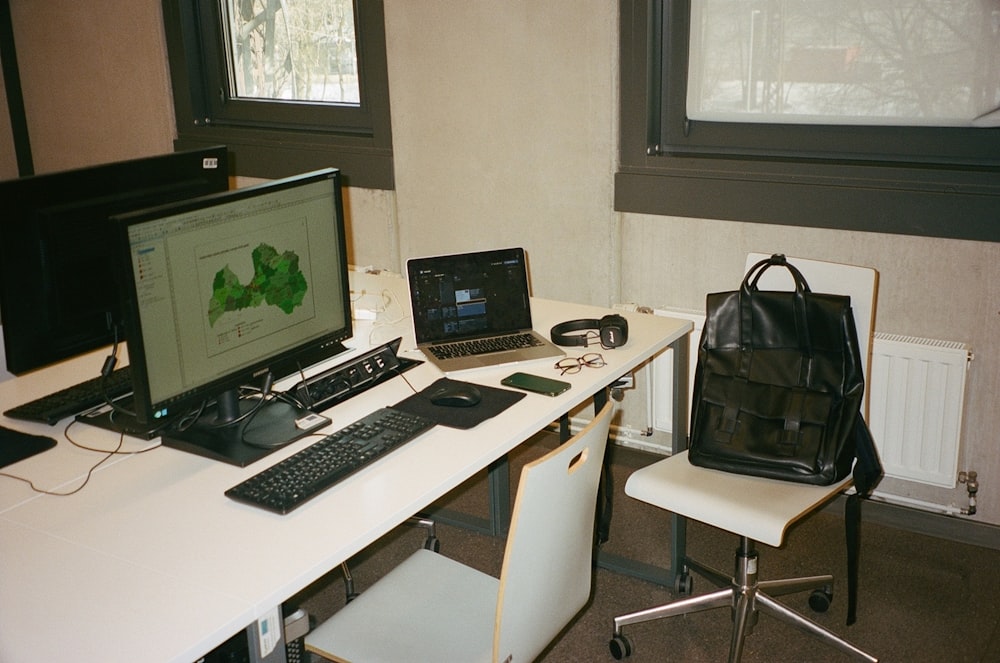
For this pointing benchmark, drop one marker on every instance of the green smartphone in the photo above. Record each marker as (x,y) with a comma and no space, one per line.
(535,383)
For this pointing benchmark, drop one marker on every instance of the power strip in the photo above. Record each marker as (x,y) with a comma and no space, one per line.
(351,378)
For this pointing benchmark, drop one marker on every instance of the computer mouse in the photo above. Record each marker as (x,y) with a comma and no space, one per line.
(456,395)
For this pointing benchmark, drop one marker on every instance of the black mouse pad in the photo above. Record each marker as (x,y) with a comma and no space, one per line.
(494,402)
(16,445)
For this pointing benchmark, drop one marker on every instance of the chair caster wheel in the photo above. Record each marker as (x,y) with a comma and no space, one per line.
(820,599)
(683,584)
(433,544)
(621,647)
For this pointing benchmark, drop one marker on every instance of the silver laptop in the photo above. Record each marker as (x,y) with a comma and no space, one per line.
(471,310)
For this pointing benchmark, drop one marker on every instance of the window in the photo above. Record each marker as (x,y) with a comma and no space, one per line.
(885,62)
(708,141)
(288,86)
(296,52)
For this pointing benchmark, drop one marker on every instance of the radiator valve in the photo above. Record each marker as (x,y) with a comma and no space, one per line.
(971,481)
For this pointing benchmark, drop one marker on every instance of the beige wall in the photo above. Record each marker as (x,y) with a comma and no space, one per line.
(95,80)
(8,158)
(504,133)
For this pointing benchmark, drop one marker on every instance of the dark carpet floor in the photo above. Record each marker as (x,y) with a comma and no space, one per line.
(922,598)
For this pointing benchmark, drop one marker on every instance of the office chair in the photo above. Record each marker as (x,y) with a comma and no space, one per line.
(432,608)
(753,508)
(430,543)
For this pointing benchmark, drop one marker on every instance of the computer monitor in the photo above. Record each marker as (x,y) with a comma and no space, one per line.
(225,294)
(58,295)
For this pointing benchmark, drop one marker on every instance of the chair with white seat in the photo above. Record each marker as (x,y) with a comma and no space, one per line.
(432,608)
(431,542)
(755,509)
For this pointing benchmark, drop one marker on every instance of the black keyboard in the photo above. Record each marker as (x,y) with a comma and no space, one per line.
(307,473)
(484,346)
(75,399)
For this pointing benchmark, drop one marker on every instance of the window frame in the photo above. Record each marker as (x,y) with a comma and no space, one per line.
(785,174)
(272,139)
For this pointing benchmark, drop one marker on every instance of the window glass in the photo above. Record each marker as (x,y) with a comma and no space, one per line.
(899,62)
(292,50)
(287,85)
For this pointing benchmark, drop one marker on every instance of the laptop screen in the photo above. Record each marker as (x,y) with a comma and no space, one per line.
(469,295)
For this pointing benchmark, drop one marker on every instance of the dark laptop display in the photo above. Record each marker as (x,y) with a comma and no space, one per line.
(472,310)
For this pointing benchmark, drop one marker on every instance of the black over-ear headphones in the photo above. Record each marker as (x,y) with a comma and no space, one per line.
(612,329)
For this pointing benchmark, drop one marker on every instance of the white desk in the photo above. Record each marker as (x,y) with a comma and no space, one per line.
(150,561)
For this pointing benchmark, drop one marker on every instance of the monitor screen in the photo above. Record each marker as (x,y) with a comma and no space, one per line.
(58,294)
(227,293)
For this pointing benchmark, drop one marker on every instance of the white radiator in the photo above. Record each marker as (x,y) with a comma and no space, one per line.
(916,393)
(915,400)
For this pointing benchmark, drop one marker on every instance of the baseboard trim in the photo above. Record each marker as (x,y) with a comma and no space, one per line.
(960,529)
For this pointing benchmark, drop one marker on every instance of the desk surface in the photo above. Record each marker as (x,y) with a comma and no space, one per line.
(150,561)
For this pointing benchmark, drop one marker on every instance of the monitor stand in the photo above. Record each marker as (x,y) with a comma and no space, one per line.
(276,424)
(271,427)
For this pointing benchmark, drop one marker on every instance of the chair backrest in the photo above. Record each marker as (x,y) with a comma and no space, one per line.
(860,283)
(547,567)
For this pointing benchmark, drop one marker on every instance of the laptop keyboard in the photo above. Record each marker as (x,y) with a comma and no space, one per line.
(484,346)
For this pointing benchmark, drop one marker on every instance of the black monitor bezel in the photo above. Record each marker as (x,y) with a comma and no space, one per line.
(32,338)
(280,365)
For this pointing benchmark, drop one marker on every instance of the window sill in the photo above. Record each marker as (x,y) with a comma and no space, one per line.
(923,202)
(272,154)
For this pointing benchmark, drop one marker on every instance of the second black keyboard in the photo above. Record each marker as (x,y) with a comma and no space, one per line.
(307,473)
(54,407)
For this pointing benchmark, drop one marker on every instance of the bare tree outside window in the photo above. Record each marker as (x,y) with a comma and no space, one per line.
(293,50)
(902,62)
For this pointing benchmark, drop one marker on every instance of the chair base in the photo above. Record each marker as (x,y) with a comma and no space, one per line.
(746,597)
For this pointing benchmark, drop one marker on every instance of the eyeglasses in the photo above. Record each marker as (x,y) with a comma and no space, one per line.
(569,365)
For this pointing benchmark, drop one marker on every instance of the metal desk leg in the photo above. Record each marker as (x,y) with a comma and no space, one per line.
(679,442)
(498,478)
(498,521)
(605,490)
(678,525)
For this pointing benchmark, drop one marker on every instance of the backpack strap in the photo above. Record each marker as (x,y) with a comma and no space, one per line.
(867,473)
